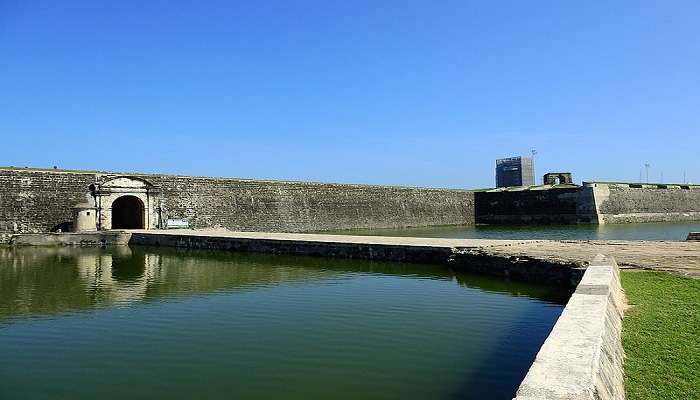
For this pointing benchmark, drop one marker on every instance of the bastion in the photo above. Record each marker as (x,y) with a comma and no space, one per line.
(592,202)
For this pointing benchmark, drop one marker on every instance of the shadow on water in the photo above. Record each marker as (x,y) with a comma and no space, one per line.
(44,281)
(519,346)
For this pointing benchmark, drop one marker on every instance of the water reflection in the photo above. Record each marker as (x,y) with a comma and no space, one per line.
(168,323)
(41,281)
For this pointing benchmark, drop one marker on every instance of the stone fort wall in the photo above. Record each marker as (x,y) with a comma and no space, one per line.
(594,202)
(42,200)
(38,201)
(563,205)
(628,203)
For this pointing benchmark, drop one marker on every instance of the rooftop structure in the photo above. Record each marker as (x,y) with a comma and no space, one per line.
(554,178)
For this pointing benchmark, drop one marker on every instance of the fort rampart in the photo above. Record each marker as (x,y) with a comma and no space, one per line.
(568,205)
(43,200)
(34,200)
(625,203)
(594,202)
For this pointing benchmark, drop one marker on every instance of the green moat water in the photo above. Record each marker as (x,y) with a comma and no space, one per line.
(164,323)
(647,231)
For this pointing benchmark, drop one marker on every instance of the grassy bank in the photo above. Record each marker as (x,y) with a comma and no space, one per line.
(661,336)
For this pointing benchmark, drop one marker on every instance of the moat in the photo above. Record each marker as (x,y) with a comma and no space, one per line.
(166,323)
(640,231)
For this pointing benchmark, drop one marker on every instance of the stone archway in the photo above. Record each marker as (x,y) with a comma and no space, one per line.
(128,213)
(126,202)
(558,178)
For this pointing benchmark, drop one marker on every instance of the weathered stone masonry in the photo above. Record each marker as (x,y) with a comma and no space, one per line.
(594,202)
(34,201)
(567,205)
(626,203)
(42,200)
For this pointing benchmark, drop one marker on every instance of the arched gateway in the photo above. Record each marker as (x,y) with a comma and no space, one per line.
(126,202)
(127,213)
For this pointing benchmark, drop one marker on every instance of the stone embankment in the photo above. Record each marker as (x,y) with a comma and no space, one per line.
(537,260)
(583,357)
(459,254)
(551,261)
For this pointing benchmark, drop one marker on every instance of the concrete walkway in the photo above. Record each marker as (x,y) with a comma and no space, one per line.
(682,257)
(326,238)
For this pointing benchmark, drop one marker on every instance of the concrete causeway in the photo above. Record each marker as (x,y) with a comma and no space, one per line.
(681,257)
(335,238)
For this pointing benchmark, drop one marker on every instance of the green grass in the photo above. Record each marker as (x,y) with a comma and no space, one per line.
(661,336)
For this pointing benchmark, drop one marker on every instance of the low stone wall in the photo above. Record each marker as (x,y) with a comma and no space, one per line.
(422,250)
(70,239)
(551,271)
(298,247)
(475,255)
(583,357)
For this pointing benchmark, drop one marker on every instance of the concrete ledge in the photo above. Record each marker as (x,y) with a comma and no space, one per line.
(582,358)
(650,217)
(71,239)
(541,219)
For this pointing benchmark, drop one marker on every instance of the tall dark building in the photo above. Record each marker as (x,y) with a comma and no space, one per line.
(514,171)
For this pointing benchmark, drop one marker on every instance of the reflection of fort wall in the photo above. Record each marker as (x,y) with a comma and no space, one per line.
(47,280)
(174,272)
(32,279)
(97,272)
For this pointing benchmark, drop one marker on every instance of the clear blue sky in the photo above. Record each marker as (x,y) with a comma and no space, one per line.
(424,93)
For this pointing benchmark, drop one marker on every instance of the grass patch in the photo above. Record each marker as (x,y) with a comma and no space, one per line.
(661,336)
